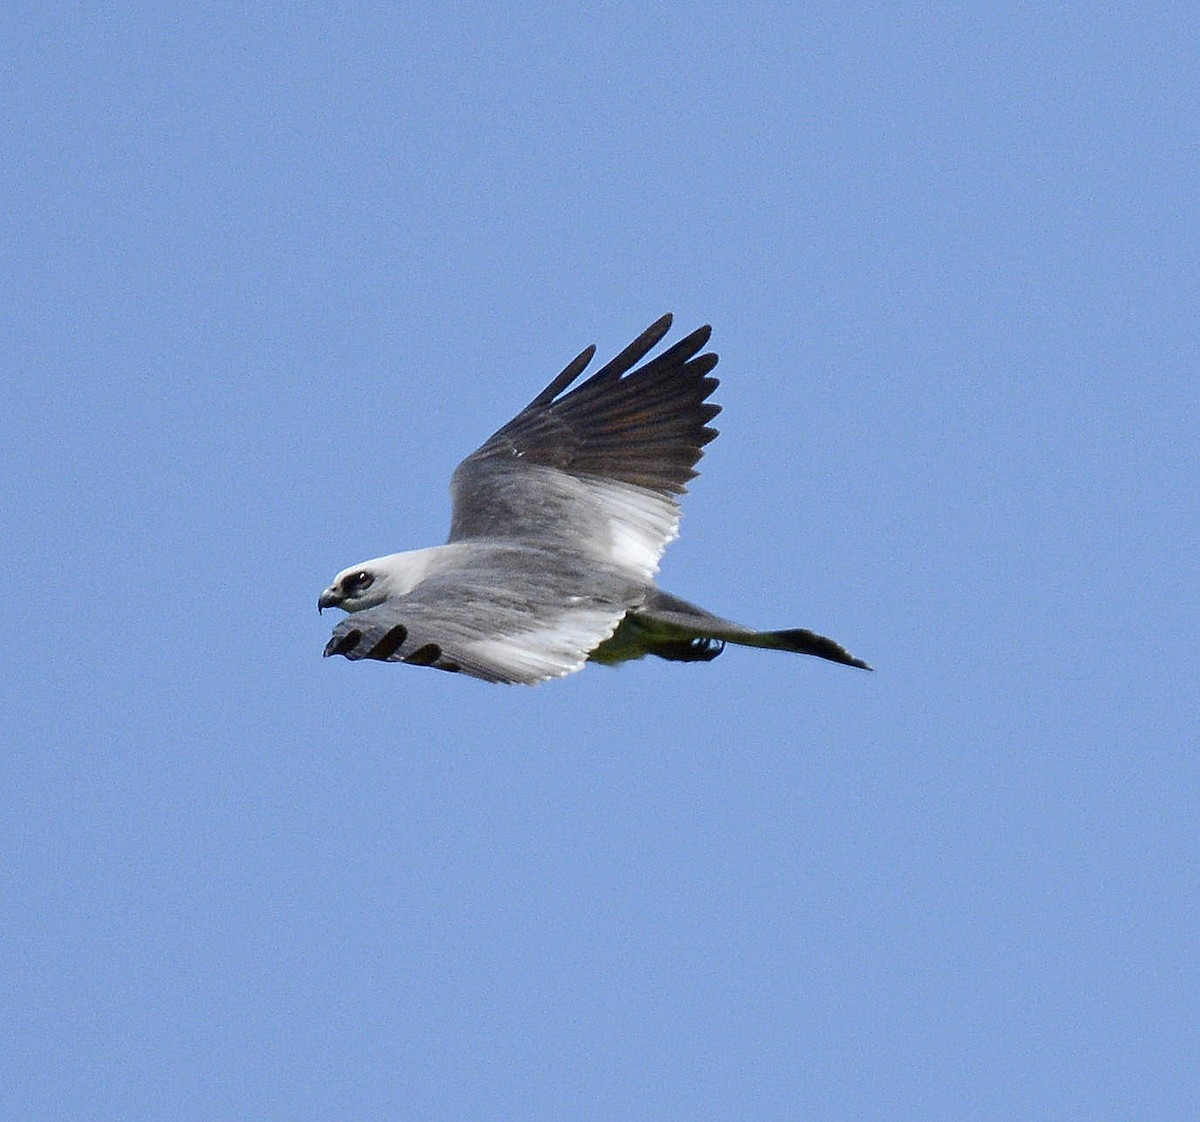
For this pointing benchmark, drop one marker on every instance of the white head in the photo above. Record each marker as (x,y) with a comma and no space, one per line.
(372,582)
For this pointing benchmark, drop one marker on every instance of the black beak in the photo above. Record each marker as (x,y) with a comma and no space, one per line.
(329,599)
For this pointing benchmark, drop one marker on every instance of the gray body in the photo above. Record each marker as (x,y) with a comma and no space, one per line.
(559,522)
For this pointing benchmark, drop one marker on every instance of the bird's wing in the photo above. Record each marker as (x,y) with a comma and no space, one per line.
(597,470)
(515,618)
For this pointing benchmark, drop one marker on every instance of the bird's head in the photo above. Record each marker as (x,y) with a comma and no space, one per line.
(358,587)
(372,582)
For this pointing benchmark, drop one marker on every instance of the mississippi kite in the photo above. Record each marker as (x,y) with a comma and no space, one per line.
(559,521)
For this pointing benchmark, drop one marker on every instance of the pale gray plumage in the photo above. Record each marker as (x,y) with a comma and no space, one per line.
(558,525)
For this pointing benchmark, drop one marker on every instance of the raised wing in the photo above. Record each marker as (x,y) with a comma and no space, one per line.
(598,469)
(510,620)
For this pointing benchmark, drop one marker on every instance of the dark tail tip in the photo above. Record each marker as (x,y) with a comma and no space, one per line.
(809,642)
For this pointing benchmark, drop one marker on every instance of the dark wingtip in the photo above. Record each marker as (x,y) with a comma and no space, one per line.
(636,351)
(626,360)
(391,642)
(570,372)
(342,644)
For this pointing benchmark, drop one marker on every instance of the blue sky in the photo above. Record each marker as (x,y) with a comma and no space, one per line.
(272,270)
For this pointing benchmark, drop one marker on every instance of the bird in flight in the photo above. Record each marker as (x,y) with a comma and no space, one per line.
(559,521)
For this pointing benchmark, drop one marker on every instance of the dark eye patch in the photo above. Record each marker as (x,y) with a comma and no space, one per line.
(360,581)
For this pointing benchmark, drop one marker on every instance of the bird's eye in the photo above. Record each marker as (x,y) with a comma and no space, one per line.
(362,581)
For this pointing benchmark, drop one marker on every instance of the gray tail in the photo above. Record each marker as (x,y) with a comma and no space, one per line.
(673,629)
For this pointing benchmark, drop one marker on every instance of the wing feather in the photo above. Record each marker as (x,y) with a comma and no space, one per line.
(597,469)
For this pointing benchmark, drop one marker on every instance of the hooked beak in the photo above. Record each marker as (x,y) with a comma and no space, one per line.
(329,599)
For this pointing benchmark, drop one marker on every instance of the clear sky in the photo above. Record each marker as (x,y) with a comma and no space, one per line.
(270,271)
